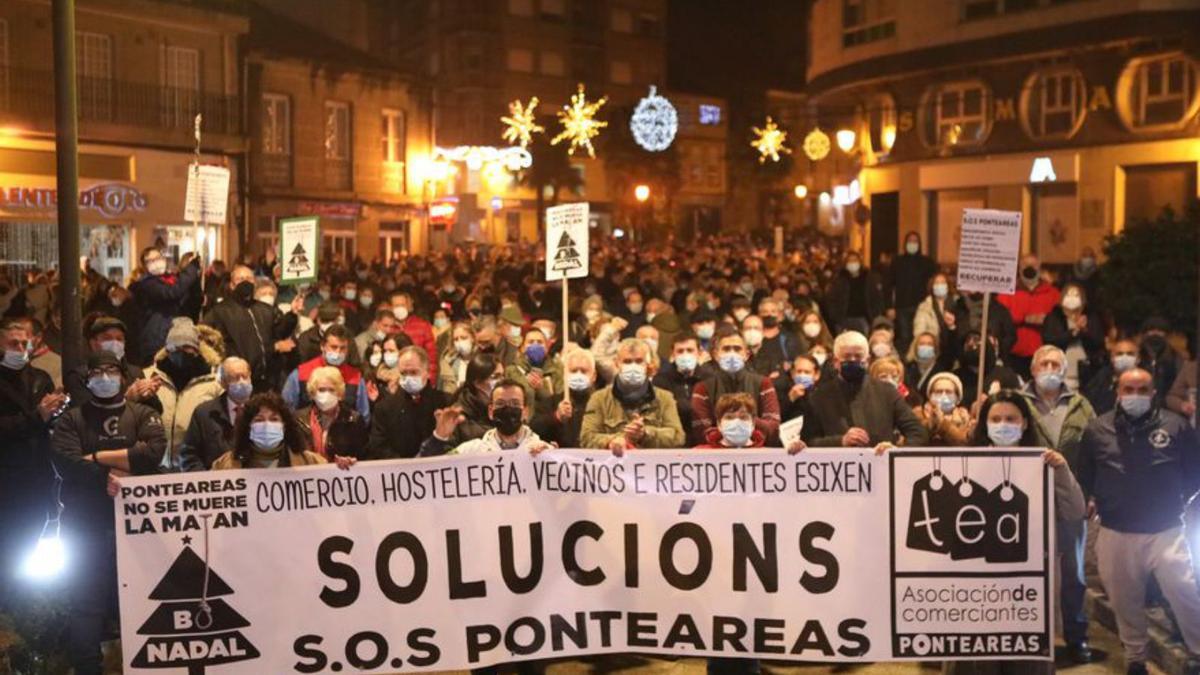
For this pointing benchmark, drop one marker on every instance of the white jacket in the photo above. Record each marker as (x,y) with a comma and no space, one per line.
(490,442)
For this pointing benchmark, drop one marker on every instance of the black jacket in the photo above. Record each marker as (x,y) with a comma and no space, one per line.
(1091,338)
(250,332)
(844,296)
(565,435)
(681,387)
(1101,389)
(401,422)
(346,436)
(875,406)
(209,435)
(75,382)
(910,276)
(159,300)
(777,354)
(1140,472)
(26,436)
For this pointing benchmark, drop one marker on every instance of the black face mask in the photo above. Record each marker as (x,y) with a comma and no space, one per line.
(507,419)
(770,321)
(182,367)
(1155,343)
(853,371)
(244,292)
(1030,273)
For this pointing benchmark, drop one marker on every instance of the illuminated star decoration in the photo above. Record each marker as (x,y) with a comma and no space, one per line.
(520,124)
(769,141)
(579,123)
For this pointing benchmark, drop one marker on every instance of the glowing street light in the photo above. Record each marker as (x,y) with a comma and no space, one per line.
(845,139)
(801,191)
(642,193)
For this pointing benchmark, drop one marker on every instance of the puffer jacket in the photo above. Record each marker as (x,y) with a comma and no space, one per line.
(179,406)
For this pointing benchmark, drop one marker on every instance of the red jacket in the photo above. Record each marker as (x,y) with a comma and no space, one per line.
(712,441)
(1041,300)
(420,332)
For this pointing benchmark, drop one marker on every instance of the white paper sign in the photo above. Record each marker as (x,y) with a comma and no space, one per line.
(299,242)
(567,241)
(989,251)
(790,430)
(461,562)
(207,194)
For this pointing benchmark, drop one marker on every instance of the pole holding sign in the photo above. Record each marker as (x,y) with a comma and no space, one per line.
(566,254)
(299,242)
(988,255)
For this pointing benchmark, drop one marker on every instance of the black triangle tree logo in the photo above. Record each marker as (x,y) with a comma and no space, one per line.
(298,262)
(566,257)
(192,627)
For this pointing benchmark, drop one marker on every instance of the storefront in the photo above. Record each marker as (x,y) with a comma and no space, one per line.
(349,229)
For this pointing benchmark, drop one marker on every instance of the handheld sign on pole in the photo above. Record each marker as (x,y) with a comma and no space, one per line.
(207,195)
(566,253)
(988,254)
(299,240)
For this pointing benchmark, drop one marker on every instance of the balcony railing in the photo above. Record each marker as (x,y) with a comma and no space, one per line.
(29,95)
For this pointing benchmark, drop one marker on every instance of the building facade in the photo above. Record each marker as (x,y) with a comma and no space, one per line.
(1081,114)
(143,71)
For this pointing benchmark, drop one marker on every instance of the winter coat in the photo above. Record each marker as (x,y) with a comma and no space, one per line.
(547,396)
(209,435)
(178,407)
(402,421)
(1079,415)
(229,460)
(250,332)
(159,300)
(1041,300)
(490,442)
(606,417)
(346,435)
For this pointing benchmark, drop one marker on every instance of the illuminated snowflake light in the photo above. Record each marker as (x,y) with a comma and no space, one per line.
(654,122)
(816,145)
(520,124)
(579,123)
(769,141)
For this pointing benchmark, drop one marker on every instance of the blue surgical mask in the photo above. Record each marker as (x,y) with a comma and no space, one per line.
(578,381)
(731,362)
(804,380)
(1135,405)
(412,384)
(104,386)
(335,358)
(737,432)
(536,353)
(1124,362)
(685,362)
(633,374)
(1005,434)
(946,403)
(266,435)
(117,347)
(1051,381)
(240,391)
(925,352)
(15,359)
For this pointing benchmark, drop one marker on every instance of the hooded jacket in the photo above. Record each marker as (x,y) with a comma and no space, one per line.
(178,406)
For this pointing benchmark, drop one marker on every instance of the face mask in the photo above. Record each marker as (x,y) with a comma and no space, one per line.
(375,359)
(412,384)
(812,329)
(946,403)
(1072,303)
(507,419)
(115,347)
(390,359)
(268,299)
(1049,381)
(940,291)
(731,362)
(1087,263)
(804,380)
(324,293)
(15,359)
(706,331)
(853,371)
(635,308)
(714,304)
(322,327)
(463,347)
(1029,273)
(685,362)
(117,302)
(104,386)
(737,432)
(536,354)
(912,247)
(741,314)
(325,400)
(335,358)
(578,381)
(820,357)
(1135,405)
(754,337)
(157,267)
(514,332)
(401,313)
(633,374)
(1155,343)
(441,322)
(1123,362)
(240,391)
(853,267)
(366,300)
(925,352)
(266,435)
(881,349)
(1004,433)
(591,314)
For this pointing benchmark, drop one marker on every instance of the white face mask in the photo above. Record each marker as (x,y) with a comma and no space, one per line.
(268,299)
(400,312)
(156,267)
(913,247)
(812,329)
(753,337)
(390,359)
(325,400)
(1072,303)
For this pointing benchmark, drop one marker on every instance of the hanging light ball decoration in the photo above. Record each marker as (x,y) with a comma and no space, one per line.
(654,122)
(816,145)
(579,123)
(769,141)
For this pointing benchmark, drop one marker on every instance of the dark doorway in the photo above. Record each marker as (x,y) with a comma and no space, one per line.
(885,224)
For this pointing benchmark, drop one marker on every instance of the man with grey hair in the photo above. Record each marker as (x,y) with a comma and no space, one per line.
(406,418)
(210,431)
(1061,415)
(856,411)
(561,425)
(631,413)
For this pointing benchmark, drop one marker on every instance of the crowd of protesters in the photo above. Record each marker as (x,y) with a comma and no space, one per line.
(709,345)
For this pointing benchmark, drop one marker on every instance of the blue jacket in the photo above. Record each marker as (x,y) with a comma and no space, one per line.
(159,300)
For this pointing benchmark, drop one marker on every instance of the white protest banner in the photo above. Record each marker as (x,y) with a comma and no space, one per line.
(299,243)
(461,562)
(207,194)
(567,241)
(989,250)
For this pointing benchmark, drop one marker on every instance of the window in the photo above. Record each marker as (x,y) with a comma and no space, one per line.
(552,64)
(620,72)
(393,239)
(648,26)
(622,20)
(1152,187)
(337,130)
(181,86)
(276,124)
(552,10)
(93,72)
(1158,93)
(393,136)
(866,21)
(956,114)
(1053,103)
(520,60)
(520,7)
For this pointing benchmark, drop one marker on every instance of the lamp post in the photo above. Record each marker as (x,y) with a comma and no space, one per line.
(66,147)
(642,194)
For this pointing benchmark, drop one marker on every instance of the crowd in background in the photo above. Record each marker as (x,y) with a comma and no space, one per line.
(713,344)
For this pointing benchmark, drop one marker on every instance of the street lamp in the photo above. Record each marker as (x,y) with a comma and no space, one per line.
(642,193)
(845,139)
(801,191)
(430,172)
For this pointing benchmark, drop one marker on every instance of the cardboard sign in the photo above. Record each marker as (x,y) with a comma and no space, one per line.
(207,194)
(567,241)
(989,251)
(299,245)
